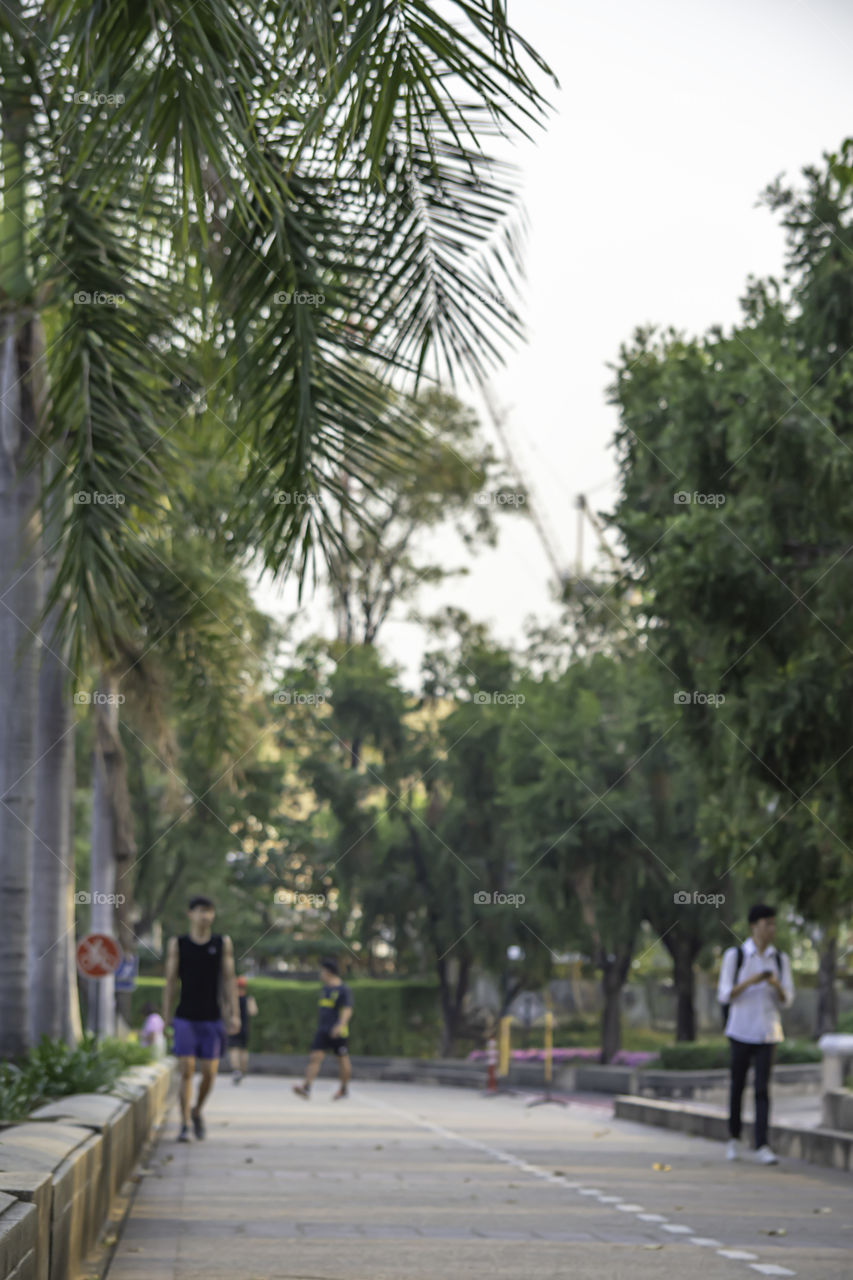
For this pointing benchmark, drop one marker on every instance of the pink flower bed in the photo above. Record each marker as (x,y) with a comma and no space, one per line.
(624,1058)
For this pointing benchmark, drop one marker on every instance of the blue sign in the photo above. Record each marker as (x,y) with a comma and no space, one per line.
(125,974)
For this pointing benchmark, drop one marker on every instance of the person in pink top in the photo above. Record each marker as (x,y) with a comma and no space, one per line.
(153,1033)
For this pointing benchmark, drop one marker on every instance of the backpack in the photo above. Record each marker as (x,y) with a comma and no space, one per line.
(724,1008)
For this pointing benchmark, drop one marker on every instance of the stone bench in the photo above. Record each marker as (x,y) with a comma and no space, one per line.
(61,1169)
(72,1158)
(19,1239)
(106,1115)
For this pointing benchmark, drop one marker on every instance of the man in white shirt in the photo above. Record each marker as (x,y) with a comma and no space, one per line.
(754,990)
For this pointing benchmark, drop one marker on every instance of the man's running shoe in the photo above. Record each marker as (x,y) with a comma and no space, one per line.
(184,1135)
(236,1077)
(302,1090)
(198,1123)
(343,1092)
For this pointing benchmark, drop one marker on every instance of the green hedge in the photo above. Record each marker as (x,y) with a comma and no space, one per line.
(706,1055)
(398,1018)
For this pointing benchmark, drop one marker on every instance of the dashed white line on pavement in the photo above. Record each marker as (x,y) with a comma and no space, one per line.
(734,1255)
(706,1241)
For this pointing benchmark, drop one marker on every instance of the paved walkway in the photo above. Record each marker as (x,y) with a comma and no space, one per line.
(402,1182)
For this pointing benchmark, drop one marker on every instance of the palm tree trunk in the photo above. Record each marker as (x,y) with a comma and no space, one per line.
(20,579)
(113,843)
(20,601)
(101,1003)
(52,863)
(72,1022)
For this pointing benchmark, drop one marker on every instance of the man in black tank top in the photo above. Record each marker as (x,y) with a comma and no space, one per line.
(203,963)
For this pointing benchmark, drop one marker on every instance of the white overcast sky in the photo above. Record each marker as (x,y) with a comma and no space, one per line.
(641,196)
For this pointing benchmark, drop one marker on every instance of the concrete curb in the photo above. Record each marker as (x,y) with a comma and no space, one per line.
(61,1170)
(830,1148)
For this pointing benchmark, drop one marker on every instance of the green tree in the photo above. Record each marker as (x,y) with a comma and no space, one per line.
(580,816)
(724,443)
(288,176)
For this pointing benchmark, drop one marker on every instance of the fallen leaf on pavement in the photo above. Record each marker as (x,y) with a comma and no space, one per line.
(661,1168)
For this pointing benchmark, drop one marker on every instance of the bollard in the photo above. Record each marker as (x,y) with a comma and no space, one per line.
(548,1096)
(835,1049)
(503,1063)
(549,1045)
(491,1066)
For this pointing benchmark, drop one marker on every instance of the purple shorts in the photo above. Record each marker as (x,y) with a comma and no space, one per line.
(198,1039)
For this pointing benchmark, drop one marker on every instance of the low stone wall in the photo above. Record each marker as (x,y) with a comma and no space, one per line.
(61,1170)
(581,1077)
(437,1071)
(822,1146)
(655,1083)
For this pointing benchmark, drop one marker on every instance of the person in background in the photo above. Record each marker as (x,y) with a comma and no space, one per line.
(755,983)
(333,1018)
(153,1033)
(239,1043)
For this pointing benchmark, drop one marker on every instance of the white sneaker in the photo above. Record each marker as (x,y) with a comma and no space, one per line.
(733,1149)
(765,1156)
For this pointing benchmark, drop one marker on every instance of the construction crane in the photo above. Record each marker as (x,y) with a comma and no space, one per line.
(564,579)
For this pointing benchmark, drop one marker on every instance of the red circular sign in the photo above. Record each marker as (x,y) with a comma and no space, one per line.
(98,955)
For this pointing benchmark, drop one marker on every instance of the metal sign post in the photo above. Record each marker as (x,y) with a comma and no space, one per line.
(98,956)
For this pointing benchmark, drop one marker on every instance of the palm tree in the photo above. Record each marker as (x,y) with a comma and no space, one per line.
(277,206)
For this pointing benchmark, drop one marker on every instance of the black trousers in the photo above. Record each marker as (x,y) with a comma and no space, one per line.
(761,1055)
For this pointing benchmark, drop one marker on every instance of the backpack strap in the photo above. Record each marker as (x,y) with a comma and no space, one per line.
(738,963)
